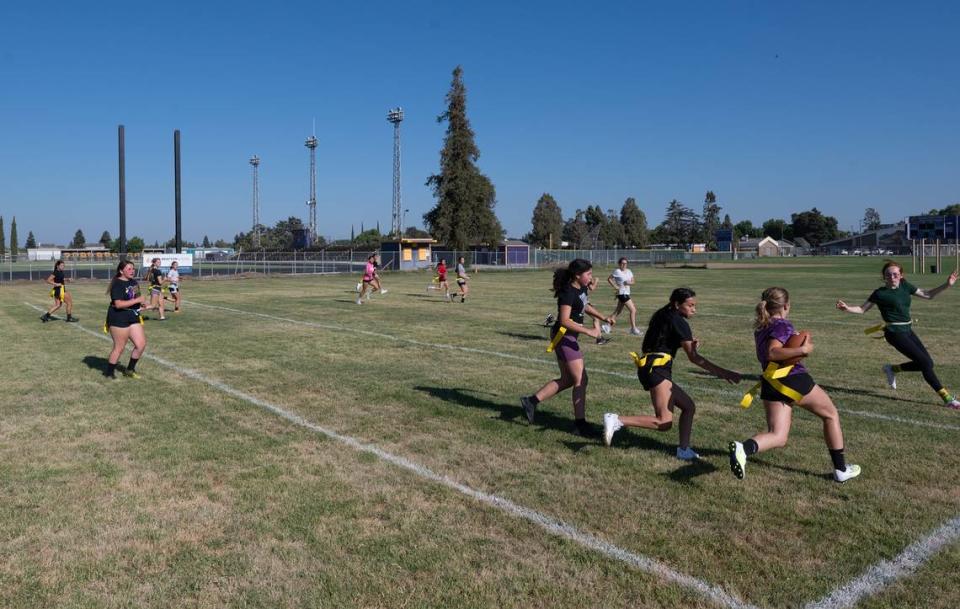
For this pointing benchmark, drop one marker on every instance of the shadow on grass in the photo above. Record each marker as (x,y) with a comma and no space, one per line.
(537,337)
(511,413)
(96,363)
(786,468)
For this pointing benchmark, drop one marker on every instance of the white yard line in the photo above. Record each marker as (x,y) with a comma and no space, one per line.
(553,525)
(886,572)
(734,396)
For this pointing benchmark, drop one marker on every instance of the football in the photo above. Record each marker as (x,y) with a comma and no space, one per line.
(795,341)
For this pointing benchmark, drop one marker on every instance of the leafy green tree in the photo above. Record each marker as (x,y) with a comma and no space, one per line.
(777,228)
(746,229)
(464,212)
(950,210)
(727,222)
(14,246)
(575,230)
(134,245)
(634,223)
(871,219)
(412,232)
(31,241)
(611,231)
(594,216)
(206,241)
(710,220)
(222,243)
(680,224)
(814,226)
(3,241)
(78,239)
(105,240)
(547,222)
(370,239)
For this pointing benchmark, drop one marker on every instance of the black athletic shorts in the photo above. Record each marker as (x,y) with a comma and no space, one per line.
(460,282)
(801,383)
(623,297)
(121,318)
(651,376)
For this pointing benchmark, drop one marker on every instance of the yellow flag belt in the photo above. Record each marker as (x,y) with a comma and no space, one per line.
(772,374)
(556,339)
(879,327)
(651,359)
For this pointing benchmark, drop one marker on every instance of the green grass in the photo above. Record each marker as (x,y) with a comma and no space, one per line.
(168,492)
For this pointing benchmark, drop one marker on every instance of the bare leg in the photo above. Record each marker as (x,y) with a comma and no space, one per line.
(633,313)
(555,386)
(820,404)
(779,418)
(139,338)
(120,337)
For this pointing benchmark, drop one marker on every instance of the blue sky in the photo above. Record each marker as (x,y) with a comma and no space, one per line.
(777,107)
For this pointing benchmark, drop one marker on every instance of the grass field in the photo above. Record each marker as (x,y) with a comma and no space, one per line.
(401,471)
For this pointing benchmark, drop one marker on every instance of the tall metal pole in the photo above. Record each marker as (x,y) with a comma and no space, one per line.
(255,163)
(311,143)
(395,116)
(123,191)
(178,241)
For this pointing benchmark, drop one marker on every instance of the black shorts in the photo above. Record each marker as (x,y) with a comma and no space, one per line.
(801,383)
(651,376)
(623,297)
(121,318)
(461,282)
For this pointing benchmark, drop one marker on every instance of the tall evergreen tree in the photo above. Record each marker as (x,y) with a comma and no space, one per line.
(727,222)
(3,241)
(14,246)
(710,220)
(31,241)
(547,222)
(465,197)
(206,241)
(634,223)
(105,240)
(680,224)
(78,239)
(575,230)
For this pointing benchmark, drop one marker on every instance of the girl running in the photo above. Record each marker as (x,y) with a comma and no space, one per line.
(621,279)
(668,331)
(123,320)
(462,279)
(442,279)
(59,293)
(893,300)
(154,276)
(371,279)
(570,286)
(173,285)
(781,393)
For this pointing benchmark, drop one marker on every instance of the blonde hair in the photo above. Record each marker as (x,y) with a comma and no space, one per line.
(772,301)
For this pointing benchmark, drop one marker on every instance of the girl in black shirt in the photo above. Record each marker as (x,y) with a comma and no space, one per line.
(123,320)
(59,293)
(668,331)
(570,286)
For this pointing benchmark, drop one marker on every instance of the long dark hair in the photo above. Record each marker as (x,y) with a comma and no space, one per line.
(677,298)
(118,274)
(562,277)
(57,263)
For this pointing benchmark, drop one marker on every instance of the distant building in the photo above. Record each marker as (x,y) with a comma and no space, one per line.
(886,238)
(766,247)
(931,228)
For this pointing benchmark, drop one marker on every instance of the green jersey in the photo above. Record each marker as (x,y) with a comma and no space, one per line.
(894,305)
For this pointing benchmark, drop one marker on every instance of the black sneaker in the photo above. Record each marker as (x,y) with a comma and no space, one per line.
(72,320)
(603,340)
(549,320)
(529,408)
(45,317)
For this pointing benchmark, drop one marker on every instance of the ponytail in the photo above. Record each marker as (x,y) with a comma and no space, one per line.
(772,301)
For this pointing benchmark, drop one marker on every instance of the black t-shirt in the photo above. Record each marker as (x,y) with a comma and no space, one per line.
(58,277)
(576,299)
(124,290)
(666,331)
(154,276)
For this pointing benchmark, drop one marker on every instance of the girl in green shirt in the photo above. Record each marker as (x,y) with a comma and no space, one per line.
(893,300)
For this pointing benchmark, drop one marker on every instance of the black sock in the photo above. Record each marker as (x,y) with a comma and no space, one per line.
(750,447)
(836,455)
(132,366)
(110,369)
(533,399)
(580,423)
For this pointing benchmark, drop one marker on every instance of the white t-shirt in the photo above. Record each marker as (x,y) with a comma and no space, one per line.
(621,278)
(173,276)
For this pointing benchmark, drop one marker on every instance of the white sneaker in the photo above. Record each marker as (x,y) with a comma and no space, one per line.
(687,454)
(953,404)
(383,292)
(359,286)
(359,301)
(842,475)
(891,377)
(611,424)
(636,331)
(738,459)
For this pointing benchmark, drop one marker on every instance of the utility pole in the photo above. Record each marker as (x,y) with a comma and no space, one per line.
(255,164)
(395,116)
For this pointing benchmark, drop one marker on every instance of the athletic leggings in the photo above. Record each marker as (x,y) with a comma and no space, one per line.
(909,344)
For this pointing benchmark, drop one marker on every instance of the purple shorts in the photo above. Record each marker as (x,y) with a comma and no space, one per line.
(568,349)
